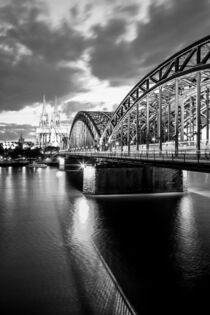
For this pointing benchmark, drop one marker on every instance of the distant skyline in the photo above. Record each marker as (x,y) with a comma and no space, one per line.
(86,53)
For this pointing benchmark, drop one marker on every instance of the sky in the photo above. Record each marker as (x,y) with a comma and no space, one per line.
(87,53)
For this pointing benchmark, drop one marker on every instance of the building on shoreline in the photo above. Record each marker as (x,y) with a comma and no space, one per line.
(51,131)
(21,143)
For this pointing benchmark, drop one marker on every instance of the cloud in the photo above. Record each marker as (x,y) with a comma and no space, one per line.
(72,107)
(35,57)
(111,59)
(12,132)
(169,26)
(97,53)
(29,80)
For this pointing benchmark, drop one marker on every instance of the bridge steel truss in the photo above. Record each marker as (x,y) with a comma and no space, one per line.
(86,130)
(169,105)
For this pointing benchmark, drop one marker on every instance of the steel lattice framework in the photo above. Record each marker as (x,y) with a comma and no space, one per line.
(169,103)
(169,107)
(87,128)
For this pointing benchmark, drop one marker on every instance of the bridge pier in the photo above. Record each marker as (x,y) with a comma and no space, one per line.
(117,180)
(99,177)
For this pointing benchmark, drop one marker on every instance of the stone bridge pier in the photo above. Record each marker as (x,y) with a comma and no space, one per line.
(98,177)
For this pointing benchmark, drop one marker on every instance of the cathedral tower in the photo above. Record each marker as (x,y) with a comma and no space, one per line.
(44,119)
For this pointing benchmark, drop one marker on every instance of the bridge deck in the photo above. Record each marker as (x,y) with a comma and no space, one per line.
(195,162)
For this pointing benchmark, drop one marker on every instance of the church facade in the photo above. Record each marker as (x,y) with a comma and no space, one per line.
(51,131)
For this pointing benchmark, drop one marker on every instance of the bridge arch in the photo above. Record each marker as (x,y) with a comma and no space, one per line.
(170,104)
(87,128)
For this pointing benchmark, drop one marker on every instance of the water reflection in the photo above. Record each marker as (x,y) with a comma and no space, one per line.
(89,179)
(59,174)
(57,248)
(104,294)
(189,252)
(83,211)
(83,221)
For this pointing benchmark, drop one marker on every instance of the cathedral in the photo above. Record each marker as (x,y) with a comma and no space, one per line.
(51,132)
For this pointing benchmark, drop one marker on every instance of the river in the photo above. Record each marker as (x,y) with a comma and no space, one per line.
(62,252)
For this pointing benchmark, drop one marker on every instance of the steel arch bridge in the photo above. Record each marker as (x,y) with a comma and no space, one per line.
(168,109)
(87,129)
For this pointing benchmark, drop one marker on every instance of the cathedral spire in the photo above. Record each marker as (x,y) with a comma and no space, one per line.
(44,106)
(56,115)
(55,104)
(44,115)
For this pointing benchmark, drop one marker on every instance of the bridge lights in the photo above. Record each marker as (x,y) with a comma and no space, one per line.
(82,165)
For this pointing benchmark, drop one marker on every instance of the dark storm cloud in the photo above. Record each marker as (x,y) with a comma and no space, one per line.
(27,81)
(112,59)
(169,28)
(14,131)
(34,55)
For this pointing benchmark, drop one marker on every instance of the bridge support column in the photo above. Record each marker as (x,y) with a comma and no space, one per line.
(147,126)
(198,114)
(207,115)
(137,127)
(187,132)
(182,119)
(121,137)
(176,117)
(169,120)
(160,119)
(128,134)
(85,137)
(191,119)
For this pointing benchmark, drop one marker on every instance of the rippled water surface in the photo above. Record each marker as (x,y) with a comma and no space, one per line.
(65,253)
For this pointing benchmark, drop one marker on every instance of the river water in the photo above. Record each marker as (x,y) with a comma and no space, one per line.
(62,252)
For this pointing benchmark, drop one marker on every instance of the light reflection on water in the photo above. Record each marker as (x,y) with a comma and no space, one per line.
(189,251)
(61,249)
(83,221)
(105,295)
